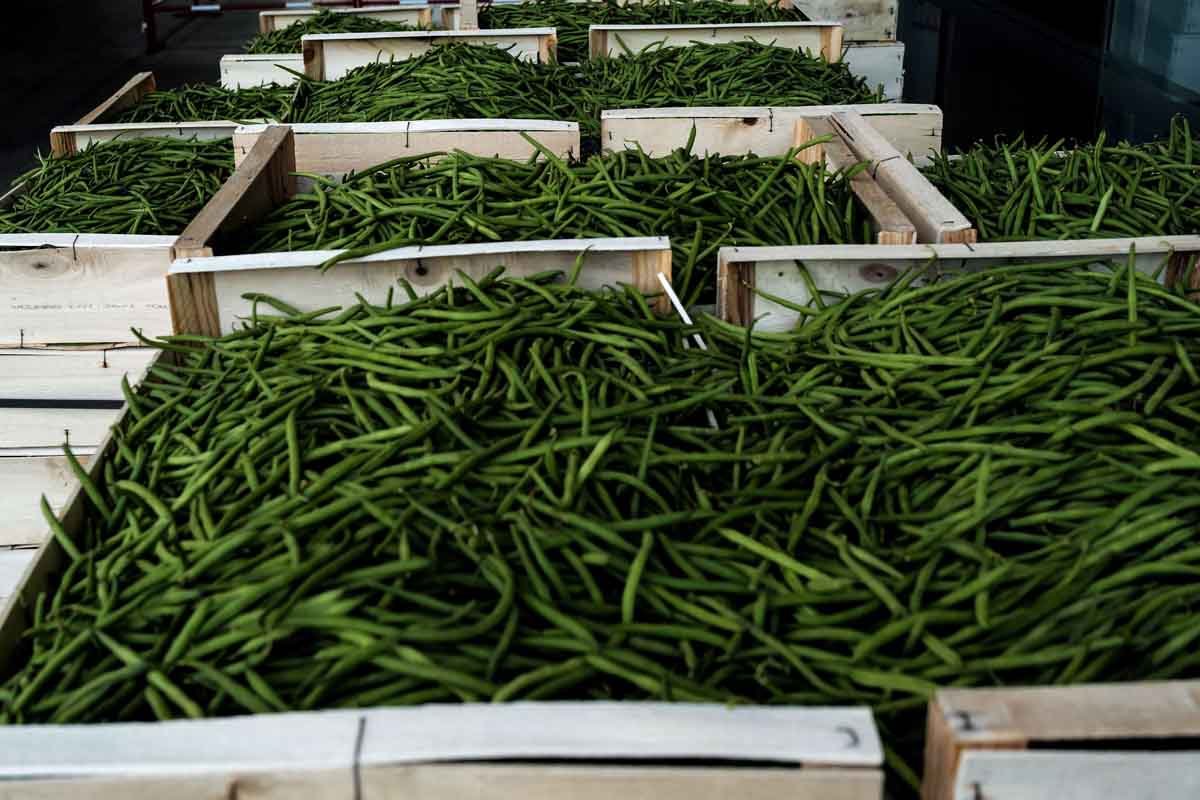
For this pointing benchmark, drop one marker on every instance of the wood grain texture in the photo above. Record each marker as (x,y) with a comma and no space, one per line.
(75,138)
(1064,775)
(25,428)
(936,219)
(73,291)
(23,482)
(128,96)
(337,148)
(54,374)
(262,181)
(863,20)
(588,782)
(293,278)
(853,268)
(913,129)
(880,64)
(891,224)
(243,71)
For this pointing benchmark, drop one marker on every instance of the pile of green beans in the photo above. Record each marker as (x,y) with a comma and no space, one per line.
(453,81)
(702,204)
(139,186)
(571,20)
(203,101)
(741,73)
(1022,191)
(512,490)
(287,40)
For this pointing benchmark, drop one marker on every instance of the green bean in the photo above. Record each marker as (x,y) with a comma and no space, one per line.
(1021,191)
(287,39)
(570,526)
(114,186)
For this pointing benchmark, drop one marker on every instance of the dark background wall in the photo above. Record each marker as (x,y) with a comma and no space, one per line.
(65,57)
(1061,70)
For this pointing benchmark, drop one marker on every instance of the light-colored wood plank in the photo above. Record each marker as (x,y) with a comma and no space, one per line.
(262,181)
(23,482)
(936,218)
(834,736)
(82,288)
(818,37)
(243,71)
(336,784)
(415,15)
(891,223)
(587,782)
(1064,775)
(75,138)
(49,374)
(292,277)
(881,64)
(330,56)
(13,564)
(913,129)
(863,20)
(852,268)
(337,148)
(451,17)
(468,15)
(127,96)
(24,428)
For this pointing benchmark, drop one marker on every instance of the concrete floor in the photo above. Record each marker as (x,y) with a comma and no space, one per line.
(67,56)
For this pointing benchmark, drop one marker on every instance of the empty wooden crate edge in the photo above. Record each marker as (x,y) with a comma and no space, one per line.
(1097,740)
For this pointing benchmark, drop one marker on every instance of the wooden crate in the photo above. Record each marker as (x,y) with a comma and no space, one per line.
(746,274)
(419,16)
(330,56)
(338,148)
(915,130)
(980,743)
(936,219)
(98,125)
(881,64)
(206,283)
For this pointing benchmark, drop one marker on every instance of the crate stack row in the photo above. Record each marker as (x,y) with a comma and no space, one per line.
(328,176)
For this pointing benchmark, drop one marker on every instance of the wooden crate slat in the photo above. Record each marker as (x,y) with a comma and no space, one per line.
(579,782)
(337,148)
(936,218)
(74,374)
(13,564)
(243,70)
(892,224)
(217,284)
(1050,775)
(23,482)
(863,20)
(330,56)
(416,15)
(853,268)
(128,96)
(913,129)
(22,428)
(68,139)
(824,38)
(82,287)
